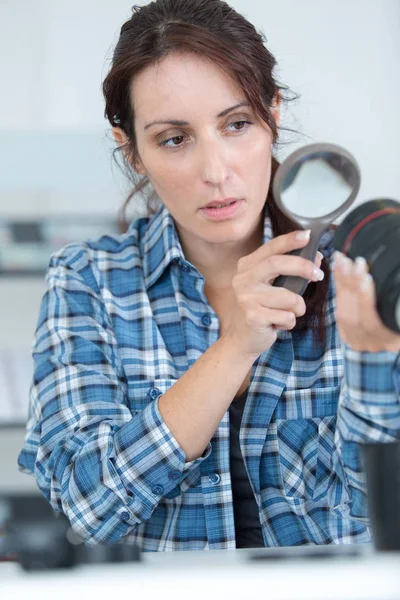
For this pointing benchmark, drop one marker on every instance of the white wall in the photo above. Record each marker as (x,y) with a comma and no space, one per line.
(342,56)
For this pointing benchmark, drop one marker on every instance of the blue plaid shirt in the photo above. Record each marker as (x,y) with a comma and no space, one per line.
(122,318)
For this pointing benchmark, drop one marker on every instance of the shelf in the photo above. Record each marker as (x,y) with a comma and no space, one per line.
(26,246)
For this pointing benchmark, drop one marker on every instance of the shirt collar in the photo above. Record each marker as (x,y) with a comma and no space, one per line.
(159,246)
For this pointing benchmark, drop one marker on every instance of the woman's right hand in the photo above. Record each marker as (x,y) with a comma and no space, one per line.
(259,308)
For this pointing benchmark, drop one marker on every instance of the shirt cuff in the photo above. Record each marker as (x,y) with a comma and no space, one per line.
(372,377)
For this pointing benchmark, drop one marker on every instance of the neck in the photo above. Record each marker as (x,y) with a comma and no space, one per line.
(218,262)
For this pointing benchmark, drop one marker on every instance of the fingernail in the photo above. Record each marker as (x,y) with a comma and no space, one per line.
(318,274)
(303,235)
(360,266)
(346,266)
(320,255)
(343,262)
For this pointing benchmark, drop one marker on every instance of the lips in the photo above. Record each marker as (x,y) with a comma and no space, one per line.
(219,203)
(218,211)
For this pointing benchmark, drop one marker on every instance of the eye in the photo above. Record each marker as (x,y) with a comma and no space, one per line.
(176,137)
(241,123)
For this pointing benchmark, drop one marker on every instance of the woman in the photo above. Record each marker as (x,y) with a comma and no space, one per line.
(180,401)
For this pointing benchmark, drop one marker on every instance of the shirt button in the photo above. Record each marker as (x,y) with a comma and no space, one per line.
(206,320)
(124,515)
(214,479)
(157,490)
(153,393)
(185,268)
(174,474)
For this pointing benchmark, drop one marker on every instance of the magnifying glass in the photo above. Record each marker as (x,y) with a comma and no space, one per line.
(313,187)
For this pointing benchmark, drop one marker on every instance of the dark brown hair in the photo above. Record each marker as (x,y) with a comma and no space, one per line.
(214,30)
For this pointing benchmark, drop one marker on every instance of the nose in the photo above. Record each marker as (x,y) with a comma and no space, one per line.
(214,162)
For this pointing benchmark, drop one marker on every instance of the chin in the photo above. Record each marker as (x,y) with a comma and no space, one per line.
(226,237)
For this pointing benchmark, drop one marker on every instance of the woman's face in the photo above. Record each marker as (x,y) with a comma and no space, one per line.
(206,155)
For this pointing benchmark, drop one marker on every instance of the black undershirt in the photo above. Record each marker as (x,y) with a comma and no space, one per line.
(247,521)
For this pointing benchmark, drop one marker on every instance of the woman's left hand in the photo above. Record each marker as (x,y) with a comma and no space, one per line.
(357,318)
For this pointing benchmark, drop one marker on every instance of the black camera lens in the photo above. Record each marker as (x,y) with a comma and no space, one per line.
(372,230)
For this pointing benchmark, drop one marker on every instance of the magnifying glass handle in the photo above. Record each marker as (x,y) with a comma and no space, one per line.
(298,284)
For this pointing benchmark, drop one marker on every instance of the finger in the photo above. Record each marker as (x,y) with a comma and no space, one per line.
(365,280)
(347,313)
(343,272)
(367,298)
(318,259)
(282,244)
(280,298)
(342,265)
(261,318)
(277,265)
(281,319)
(355,302)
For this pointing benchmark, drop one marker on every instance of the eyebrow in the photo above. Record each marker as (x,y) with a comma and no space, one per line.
(184,123)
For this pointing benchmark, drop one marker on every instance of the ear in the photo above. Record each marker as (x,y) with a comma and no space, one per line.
(122,140)
(276,108)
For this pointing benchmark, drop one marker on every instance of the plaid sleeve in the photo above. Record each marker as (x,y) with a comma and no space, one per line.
(105,468)
(369,411)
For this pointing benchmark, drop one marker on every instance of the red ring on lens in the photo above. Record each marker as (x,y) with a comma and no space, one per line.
(366,220)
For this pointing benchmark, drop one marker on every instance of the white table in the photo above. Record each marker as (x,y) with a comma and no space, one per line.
(226,575)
